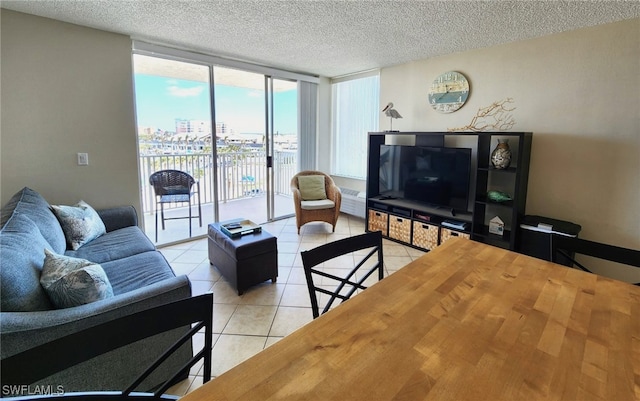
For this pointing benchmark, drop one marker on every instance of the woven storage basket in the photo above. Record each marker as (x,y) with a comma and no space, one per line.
(446,233)
(378,221)
(425,235)
(400,228)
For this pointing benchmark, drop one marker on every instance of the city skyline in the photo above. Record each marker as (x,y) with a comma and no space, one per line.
(160,101)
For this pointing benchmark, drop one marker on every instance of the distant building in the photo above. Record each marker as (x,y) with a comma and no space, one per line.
(201,127)
(222,128)
(193,126)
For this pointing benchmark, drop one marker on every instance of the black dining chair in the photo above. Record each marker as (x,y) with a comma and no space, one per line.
(321,281)
(174,186)
(193,314)
(566,248)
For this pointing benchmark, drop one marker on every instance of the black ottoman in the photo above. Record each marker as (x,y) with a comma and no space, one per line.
(244,261)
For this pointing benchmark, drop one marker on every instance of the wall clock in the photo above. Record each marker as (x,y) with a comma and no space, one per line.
(449,92)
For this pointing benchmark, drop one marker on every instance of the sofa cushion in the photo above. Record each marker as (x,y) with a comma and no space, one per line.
(33,205)
(137,271)
(114,245)
(311,187)
(80,223)
(73,282)
(21,259)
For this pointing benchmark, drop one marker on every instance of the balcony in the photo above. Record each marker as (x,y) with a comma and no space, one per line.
(241,185)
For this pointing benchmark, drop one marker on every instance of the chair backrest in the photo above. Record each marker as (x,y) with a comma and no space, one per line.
(194,313)
(567,247)
(171,182)
(328,181)
(344,286)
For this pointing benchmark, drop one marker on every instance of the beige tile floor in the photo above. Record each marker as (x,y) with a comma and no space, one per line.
(245,325)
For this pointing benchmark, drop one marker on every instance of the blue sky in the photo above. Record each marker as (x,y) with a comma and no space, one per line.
(160,100)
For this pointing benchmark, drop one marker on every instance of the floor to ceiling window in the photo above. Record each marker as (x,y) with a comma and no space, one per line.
(356,111)
(234,130)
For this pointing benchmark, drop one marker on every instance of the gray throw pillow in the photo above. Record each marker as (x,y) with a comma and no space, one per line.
(21,261)
(34,206)
(311,187)
(72,282)
(80,223)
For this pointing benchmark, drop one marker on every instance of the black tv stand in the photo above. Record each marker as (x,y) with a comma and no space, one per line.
(386,202)
(418,224)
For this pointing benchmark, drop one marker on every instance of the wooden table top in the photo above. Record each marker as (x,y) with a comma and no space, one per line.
(466,321)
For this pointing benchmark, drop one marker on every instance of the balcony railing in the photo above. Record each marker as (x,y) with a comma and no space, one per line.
(240,174)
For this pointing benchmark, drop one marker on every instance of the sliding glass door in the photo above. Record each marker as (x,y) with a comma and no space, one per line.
(234,129)
(256,142)
(239,103)
(173,110)
(283,145)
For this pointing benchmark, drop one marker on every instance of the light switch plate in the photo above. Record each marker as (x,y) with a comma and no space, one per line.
(83,159)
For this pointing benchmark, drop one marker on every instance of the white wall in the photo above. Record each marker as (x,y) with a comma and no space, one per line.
(67,89)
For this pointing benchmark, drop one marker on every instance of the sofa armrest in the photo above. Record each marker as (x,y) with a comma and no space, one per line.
(39,363)
(24,330)
(116,218)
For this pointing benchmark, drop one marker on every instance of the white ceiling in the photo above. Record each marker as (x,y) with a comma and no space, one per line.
(333,37)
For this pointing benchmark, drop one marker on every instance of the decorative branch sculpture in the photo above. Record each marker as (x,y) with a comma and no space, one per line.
(496,117)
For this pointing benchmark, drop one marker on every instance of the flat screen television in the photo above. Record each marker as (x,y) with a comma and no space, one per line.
(435,176)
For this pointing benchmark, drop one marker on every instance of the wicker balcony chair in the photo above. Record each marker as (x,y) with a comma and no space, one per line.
(174,186)
(313,207)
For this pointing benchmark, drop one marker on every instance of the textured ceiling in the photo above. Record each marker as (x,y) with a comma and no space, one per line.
(331,38)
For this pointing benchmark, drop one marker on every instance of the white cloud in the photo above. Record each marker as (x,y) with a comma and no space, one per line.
(185,92)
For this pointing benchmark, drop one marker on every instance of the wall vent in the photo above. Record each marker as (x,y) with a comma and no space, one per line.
(353,202)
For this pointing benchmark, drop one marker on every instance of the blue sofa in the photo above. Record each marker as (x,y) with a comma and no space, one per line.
(140,276)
